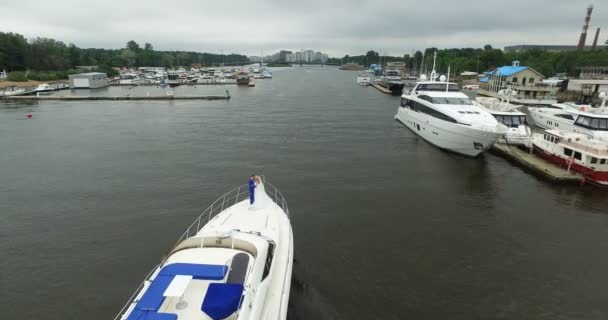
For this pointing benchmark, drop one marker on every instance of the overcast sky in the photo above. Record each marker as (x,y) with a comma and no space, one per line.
(336,27)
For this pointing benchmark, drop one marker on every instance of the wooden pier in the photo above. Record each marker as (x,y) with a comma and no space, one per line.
(536,165)
(381,88)
(101,98)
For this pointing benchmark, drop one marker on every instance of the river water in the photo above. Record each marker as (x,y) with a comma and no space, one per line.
(92,194)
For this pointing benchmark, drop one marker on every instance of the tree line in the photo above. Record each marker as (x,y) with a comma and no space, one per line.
(49,55)
(488,58)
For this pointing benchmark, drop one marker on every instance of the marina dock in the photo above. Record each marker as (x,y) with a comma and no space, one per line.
(381,88)
(79,98)
(536,165)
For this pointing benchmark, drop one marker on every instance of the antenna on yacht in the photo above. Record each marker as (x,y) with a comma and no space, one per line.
(448,81)
(434,73)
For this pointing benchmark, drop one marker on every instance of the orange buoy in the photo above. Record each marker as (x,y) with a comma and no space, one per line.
(29,115)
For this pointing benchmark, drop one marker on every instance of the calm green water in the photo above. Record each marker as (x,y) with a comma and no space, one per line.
(92,194)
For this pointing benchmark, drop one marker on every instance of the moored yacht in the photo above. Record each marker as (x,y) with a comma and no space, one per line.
(518,130)
(585,119)
(442,115)
(575,151)
(363,80)
(233,262)
(44,87)
(445,117)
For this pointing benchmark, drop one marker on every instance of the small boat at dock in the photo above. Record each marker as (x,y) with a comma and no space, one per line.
(364,80)
(518,132)
(575,151)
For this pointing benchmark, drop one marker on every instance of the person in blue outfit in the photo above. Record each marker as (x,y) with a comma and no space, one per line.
(251,189)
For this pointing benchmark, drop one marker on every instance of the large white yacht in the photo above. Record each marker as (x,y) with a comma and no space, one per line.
(439,113)
(233,262)
(566,117)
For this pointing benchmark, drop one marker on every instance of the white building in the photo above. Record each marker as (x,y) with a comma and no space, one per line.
(90,80)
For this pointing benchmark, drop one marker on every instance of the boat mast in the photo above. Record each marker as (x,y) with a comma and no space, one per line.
(434,72)
(448,81)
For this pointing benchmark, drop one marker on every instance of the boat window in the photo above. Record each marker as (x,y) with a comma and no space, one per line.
(593,160)
(602,161)
(595,123)
(446,100)
(437,87)
(268,262)
(403,102)
(565,116)
(426,98)
(432,112)
(577,156)
(592,123)
(568,152)
(545,136)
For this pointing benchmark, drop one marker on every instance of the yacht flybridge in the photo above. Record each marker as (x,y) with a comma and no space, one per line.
(442,115)
(233,262)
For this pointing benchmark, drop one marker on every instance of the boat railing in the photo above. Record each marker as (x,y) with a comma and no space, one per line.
(230,198)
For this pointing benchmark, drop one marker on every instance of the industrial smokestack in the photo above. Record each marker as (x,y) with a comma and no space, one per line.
(597,35)
(583,38)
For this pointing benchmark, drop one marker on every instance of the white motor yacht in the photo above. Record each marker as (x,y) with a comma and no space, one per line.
(233,262)
(442,115)
(519,132)
(44,87)
(129,78)
(364,80)
(568,117)
(445,117)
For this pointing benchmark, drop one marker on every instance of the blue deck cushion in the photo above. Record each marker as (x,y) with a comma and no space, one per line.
(153,298)
(151,315)
(222,300)
(197,271)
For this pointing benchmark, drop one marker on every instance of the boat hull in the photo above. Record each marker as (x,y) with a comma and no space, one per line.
(454,137)
(599,178)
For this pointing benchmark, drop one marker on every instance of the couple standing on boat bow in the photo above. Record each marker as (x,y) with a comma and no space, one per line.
(254,187)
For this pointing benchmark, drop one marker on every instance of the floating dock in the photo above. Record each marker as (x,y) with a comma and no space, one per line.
(536,165)
(381,88)
(78,98)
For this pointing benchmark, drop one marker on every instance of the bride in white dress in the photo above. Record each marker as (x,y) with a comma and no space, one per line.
(261,198)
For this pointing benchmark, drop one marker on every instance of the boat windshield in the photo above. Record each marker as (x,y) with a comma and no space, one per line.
(437,87)
(592,123)
(446,100)
(511,121)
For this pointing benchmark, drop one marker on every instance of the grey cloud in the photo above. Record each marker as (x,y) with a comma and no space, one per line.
(338,27)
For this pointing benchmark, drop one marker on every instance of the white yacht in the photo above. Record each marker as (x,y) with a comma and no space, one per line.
(129,78)
(233,262)
(519,132)
(567,117)
(442,115)
(364,80)
(44,87)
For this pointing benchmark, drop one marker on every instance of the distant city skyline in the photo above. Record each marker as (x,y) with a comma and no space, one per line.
(302,55)
(336,28)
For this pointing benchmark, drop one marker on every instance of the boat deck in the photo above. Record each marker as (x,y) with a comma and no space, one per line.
(535,164)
